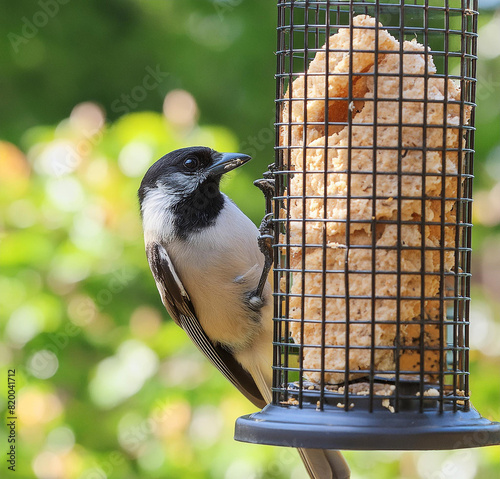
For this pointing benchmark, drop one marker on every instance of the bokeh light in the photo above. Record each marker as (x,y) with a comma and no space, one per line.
(43,364)
(122,375)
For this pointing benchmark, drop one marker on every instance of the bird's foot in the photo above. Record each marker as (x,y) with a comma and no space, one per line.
(266,237)
(266,185)
(265,241)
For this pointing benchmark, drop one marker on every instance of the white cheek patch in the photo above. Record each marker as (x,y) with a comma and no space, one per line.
(157,205)
(157,219)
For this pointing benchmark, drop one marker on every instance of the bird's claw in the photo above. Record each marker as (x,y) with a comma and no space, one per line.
(266,185)
(265,241)
(266,226)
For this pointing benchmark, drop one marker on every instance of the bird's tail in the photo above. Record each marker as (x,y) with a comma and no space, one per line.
(320,463)
(325,464)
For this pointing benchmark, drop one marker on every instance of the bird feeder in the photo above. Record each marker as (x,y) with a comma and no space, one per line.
(372,224)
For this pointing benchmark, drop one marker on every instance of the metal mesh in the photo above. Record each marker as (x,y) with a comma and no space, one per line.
(374,153)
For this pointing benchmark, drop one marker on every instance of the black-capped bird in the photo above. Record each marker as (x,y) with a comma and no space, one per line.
(207,265)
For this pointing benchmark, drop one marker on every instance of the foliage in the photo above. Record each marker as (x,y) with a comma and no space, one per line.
(99,51)
(107,385)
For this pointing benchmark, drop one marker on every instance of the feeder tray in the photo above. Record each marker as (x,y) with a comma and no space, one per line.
(372,228)
(375,426)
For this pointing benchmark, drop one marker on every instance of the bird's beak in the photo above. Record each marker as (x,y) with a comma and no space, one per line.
(226,162)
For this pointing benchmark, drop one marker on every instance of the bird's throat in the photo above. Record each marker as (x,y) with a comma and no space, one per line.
(198,210)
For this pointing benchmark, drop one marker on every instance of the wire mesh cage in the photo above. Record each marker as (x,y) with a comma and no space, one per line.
(373,171)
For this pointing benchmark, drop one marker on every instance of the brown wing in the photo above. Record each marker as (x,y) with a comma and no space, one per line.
(178,304)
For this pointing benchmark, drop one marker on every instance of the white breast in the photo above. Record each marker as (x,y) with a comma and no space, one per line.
(218,266)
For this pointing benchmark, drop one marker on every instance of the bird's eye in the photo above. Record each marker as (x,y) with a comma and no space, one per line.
(191,164)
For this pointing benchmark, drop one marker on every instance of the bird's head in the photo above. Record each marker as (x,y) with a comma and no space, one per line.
(184,184)
(185,171)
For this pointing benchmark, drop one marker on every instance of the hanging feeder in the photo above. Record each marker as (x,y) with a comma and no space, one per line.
(372,247)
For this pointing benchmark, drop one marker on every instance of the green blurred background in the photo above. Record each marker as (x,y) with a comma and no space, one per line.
(107,387)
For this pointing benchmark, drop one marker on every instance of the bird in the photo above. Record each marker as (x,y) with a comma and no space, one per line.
(204,255)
